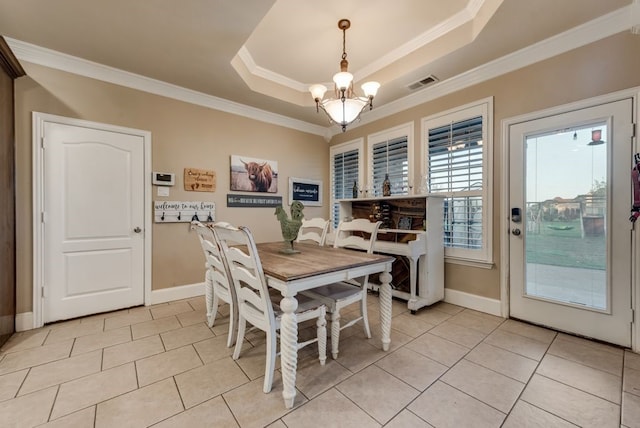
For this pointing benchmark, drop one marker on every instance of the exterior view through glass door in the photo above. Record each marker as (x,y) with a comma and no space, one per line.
(570,241)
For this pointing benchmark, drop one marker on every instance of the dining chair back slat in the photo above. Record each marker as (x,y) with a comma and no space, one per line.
(314,230)
(218,285)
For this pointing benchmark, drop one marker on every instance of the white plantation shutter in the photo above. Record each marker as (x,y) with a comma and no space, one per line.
(345,171)
(391,157)
(457,168)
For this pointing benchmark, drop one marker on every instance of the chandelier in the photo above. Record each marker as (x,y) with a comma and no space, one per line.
(346,106)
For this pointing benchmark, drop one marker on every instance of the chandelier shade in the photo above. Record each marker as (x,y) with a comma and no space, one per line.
(345,106)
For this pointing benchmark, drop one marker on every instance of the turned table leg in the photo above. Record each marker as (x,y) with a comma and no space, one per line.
(385,308)
(289,349)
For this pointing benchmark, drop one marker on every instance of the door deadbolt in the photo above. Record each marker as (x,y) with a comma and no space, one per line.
(515,231)
(137,230)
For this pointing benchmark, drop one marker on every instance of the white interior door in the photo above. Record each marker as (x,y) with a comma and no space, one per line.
(93,248)
(570,248)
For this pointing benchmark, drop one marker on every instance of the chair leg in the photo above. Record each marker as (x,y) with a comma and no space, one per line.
(270,363)
(214,308)
(363,312)
(208,294)
(322,337)
(232,325)
(242,325)
(335,333)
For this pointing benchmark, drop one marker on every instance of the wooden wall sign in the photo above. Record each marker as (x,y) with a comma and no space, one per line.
(184,211)
(199,180)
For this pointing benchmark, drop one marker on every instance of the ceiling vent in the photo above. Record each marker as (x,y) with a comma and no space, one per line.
(423,82)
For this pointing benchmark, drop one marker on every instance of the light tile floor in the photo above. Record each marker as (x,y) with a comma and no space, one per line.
(448,367)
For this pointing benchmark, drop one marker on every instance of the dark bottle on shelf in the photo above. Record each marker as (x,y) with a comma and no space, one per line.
(386,186)
(355,190)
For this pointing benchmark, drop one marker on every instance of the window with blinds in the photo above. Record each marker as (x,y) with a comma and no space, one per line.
(391,152)
(456,150)
(345,172)
(391,157)
(455,168)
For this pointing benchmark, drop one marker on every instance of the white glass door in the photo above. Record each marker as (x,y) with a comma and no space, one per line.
(570,241)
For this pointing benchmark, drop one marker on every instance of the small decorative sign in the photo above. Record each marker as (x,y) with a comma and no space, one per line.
(199,180)
(183,212)
(236,201)
(309,192)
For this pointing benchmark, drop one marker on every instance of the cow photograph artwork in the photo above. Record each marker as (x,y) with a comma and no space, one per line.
(253,175)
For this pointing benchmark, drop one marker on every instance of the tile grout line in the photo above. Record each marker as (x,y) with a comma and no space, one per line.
(519,397)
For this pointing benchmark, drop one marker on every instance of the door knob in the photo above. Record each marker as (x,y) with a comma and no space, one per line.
(137,230)
(515,231)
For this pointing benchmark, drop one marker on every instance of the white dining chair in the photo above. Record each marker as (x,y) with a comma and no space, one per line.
(218,285)
(255,304)
(358,234)
(314,229)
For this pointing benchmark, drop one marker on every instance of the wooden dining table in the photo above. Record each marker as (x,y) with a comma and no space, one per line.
(311,267)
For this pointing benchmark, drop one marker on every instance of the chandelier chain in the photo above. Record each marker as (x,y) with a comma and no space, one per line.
(344,43)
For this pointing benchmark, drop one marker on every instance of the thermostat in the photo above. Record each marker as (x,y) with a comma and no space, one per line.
(164,178)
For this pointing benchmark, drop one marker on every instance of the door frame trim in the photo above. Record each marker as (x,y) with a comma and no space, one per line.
(503,218)
(38,121)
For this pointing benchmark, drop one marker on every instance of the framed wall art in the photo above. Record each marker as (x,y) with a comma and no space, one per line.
(307,191)
(253,175)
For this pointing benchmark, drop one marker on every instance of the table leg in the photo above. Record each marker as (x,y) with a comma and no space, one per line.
(385,308)
(289,348)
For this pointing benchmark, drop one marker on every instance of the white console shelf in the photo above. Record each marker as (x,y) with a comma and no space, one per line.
(412,228)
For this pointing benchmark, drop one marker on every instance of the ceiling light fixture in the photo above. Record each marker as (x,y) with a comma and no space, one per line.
(346,106)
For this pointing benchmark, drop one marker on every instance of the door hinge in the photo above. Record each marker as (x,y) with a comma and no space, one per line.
(633,316)
(42,292)
(42,142)
(43,217)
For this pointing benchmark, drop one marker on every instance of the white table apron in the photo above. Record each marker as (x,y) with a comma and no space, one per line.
(289,323)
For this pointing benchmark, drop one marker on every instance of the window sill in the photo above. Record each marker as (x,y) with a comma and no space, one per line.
(483,264)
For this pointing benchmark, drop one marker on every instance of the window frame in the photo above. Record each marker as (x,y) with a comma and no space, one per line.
(481,257)
(406,129)
(358,145)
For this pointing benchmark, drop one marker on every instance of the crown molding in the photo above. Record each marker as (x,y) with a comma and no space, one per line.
(8,62)
(592,31)
(465,15)
(457,20)
(263,73)
(60,61)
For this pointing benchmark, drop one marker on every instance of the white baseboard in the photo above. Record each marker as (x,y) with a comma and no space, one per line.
(24,321)
(176,293)
(473,301)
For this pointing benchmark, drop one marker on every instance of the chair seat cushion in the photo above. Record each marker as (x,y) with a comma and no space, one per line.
(336,291)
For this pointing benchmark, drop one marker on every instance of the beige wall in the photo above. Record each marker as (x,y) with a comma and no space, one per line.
(183,135)
(603,67)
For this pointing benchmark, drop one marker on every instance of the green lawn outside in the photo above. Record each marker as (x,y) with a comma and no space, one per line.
(560,243)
